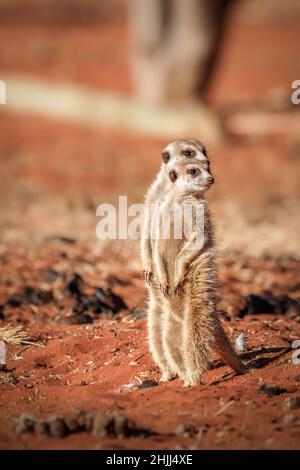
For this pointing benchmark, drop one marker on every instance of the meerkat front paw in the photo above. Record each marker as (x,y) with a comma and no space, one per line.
(164,289)
(163,285)
(148,276)
(178,288)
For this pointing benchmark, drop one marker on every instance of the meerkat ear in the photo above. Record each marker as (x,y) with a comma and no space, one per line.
(166,156)
(204,151)
(173,176)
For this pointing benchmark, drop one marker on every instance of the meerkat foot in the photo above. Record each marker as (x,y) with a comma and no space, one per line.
(166,376)
(192,380)
(188,382)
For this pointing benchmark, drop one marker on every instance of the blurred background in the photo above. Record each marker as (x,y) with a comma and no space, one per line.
(96,89)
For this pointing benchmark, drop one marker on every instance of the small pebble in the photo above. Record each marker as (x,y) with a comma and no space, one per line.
(41,429)
(101,425)
(25,424)
(271,390)
(292,403)
(57,427)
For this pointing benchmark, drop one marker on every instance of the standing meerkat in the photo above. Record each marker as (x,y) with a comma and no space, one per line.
(183,323)
(177,152)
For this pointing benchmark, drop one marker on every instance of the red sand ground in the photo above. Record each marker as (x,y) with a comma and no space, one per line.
(100,366)
(53,177)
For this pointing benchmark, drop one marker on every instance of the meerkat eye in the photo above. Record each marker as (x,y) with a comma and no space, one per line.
(188,153)
(192,171)
(173,176)
(166,156)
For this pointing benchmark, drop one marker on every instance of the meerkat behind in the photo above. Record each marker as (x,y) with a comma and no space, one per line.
(177,152)
(184,325)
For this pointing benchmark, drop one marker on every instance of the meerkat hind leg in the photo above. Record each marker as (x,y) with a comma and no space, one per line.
(173,343)
(155,337)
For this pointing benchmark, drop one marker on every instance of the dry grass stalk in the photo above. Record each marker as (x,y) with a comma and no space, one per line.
(14,335)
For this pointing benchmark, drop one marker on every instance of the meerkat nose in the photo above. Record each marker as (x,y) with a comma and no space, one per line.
(211,180)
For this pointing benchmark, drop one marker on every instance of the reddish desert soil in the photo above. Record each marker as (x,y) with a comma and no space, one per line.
(99,366)
(53,176)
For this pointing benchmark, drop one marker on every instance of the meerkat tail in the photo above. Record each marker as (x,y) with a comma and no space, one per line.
(226,351)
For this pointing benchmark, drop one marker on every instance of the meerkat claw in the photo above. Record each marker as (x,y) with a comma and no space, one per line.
(148,277)
(187,383)
(178,288)
(166,377)
(164,288)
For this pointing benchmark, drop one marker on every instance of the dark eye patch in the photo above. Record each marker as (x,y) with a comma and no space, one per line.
(166,156)
(173,176)
(188,153)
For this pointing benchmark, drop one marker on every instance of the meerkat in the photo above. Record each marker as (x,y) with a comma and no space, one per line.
(183,323)
(179,151)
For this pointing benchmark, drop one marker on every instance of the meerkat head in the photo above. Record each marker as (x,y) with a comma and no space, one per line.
(191,177)
(185,150)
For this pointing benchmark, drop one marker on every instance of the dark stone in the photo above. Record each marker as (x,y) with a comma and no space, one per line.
(15,300)
(57,427)
(72,425)
(268,303)
(271,390)
(148,384)
(75,320)
(41,429)
(25,424)
(37,297)
(292,403)
(86,319)
(74,286)
(51,275)
(139,313)
(110,300)
(2,315)
(257,304)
